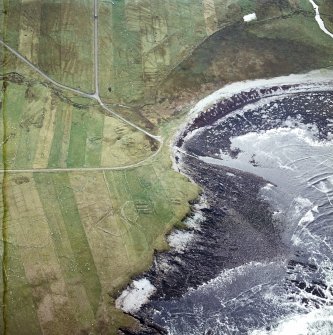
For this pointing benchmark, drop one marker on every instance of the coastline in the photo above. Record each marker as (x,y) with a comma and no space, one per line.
(228,91)
(323,76)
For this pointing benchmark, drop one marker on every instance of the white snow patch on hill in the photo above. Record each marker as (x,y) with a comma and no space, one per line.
(250,17)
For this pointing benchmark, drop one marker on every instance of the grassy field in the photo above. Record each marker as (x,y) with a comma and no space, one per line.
(73,234)
(71,240)
(49,133)
(55,35)
(288,41)
(326,12)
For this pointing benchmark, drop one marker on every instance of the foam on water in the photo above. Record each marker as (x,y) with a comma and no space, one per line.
(297,166)
(278,295)
(180,239)
(285,157)
(135,295)
(317,322)
(309,78)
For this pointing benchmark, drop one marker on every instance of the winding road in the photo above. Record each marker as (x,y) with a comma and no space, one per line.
(95,95)
(43,74)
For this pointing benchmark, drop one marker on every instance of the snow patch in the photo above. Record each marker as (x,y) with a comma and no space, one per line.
(250,17)
(319,19)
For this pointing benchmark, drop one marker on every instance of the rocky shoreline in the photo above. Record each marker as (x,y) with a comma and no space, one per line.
(238,225)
